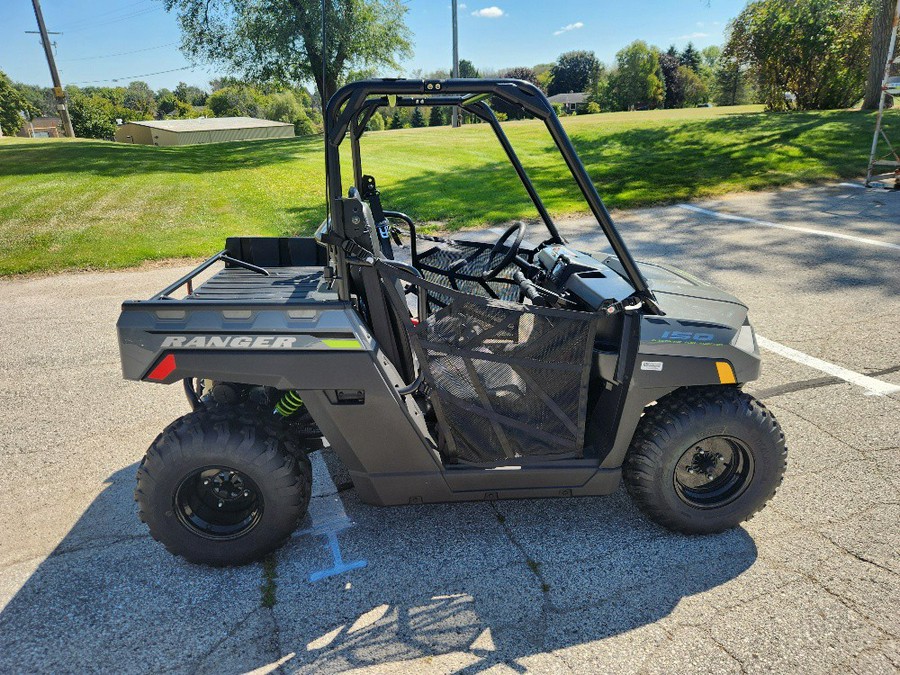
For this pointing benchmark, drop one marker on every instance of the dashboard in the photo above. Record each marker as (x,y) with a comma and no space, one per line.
(576,275)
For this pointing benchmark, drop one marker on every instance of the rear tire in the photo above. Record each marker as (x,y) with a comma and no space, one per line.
(704,460)
(220,486)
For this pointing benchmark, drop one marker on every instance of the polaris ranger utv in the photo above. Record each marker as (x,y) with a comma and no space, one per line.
(443,370)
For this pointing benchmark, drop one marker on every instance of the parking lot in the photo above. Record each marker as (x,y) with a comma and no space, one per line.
(810,585)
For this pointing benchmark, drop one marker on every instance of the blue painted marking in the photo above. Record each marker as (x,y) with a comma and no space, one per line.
(326,511)
(339,564)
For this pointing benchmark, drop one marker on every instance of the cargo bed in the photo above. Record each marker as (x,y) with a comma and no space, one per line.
(284,285)
(272,298)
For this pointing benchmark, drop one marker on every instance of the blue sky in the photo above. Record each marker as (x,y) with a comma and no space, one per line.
(103,40)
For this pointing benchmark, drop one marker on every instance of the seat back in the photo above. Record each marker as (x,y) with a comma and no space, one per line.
(382,314)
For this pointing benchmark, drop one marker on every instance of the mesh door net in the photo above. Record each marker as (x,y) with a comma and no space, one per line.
(461,266)
(507,381)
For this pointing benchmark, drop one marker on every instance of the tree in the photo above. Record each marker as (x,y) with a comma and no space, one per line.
(690,57)
(733,83)
(814,51)
(235,101)
(709,57)
(544,73)
(468,69)
(281,107)
(190,94)
(376,122)
(284,106)
(521,73)
(436,117)
(669,63)
(397,120)
(41,98)
(93,116)
(139,98)
(694,89)
(573,71)
(275,40)
(184,111)
(165,102)
(637,80)
(881,36)
(418,119)
(709,62)
(12,106)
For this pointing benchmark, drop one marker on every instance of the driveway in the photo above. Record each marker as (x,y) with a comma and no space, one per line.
(809,585)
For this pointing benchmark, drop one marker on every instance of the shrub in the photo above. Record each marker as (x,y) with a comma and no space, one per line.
(93,117)
(376,122)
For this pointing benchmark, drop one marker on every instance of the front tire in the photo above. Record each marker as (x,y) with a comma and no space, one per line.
(219,487)
(704,460)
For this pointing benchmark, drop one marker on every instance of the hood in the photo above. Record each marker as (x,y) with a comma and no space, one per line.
(690,299)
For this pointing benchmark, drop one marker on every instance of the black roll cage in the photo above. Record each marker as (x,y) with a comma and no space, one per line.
(351,107)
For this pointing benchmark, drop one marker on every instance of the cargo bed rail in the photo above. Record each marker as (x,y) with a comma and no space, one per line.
(188,279)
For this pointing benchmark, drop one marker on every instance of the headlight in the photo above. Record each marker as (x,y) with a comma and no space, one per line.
(746,340)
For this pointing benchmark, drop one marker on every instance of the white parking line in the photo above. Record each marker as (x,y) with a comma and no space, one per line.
(804,230)
(870,384)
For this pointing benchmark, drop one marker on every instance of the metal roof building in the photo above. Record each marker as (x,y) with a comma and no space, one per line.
(202,130)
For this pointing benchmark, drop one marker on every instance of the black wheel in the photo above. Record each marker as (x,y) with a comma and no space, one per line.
(704,460)
(220,487)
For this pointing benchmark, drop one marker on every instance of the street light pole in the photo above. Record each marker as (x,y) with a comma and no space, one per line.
(57,85)
(455,116)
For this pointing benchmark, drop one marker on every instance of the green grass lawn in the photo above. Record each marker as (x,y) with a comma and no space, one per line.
(93,204)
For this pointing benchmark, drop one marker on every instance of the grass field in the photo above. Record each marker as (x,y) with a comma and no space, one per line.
(93,204)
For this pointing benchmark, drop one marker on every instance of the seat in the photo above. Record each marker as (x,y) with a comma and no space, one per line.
(387,326)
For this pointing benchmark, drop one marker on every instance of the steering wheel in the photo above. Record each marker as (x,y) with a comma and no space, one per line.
(518,229)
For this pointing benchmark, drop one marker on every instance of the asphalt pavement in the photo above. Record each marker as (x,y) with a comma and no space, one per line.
(810,585)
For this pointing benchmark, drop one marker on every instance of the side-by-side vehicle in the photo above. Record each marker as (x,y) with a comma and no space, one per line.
(443,369)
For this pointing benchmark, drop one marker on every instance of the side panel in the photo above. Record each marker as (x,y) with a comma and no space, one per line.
(349,387)
(149,330)
(677,353)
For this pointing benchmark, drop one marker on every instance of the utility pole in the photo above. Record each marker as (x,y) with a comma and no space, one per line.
(455,116)
(57,85)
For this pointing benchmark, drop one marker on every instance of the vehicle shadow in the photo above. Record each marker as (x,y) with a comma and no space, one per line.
(463,586)
(110,599)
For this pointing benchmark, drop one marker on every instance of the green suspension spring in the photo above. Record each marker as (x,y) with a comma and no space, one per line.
(289,404)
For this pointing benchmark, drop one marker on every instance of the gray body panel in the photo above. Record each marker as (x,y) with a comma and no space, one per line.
(290,331)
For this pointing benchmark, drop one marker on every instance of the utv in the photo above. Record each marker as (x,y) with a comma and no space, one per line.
(441,369)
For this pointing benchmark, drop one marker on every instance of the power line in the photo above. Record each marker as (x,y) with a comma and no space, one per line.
(109,56)
(126,17)
(134,77)
(90,19)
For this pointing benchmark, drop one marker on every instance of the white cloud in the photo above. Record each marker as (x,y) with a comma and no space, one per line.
(571,26)
(488,13)
(692,36)
(462,5)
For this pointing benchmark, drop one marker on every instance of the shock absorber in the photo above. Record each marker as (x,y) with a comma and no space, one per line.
(288,404)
